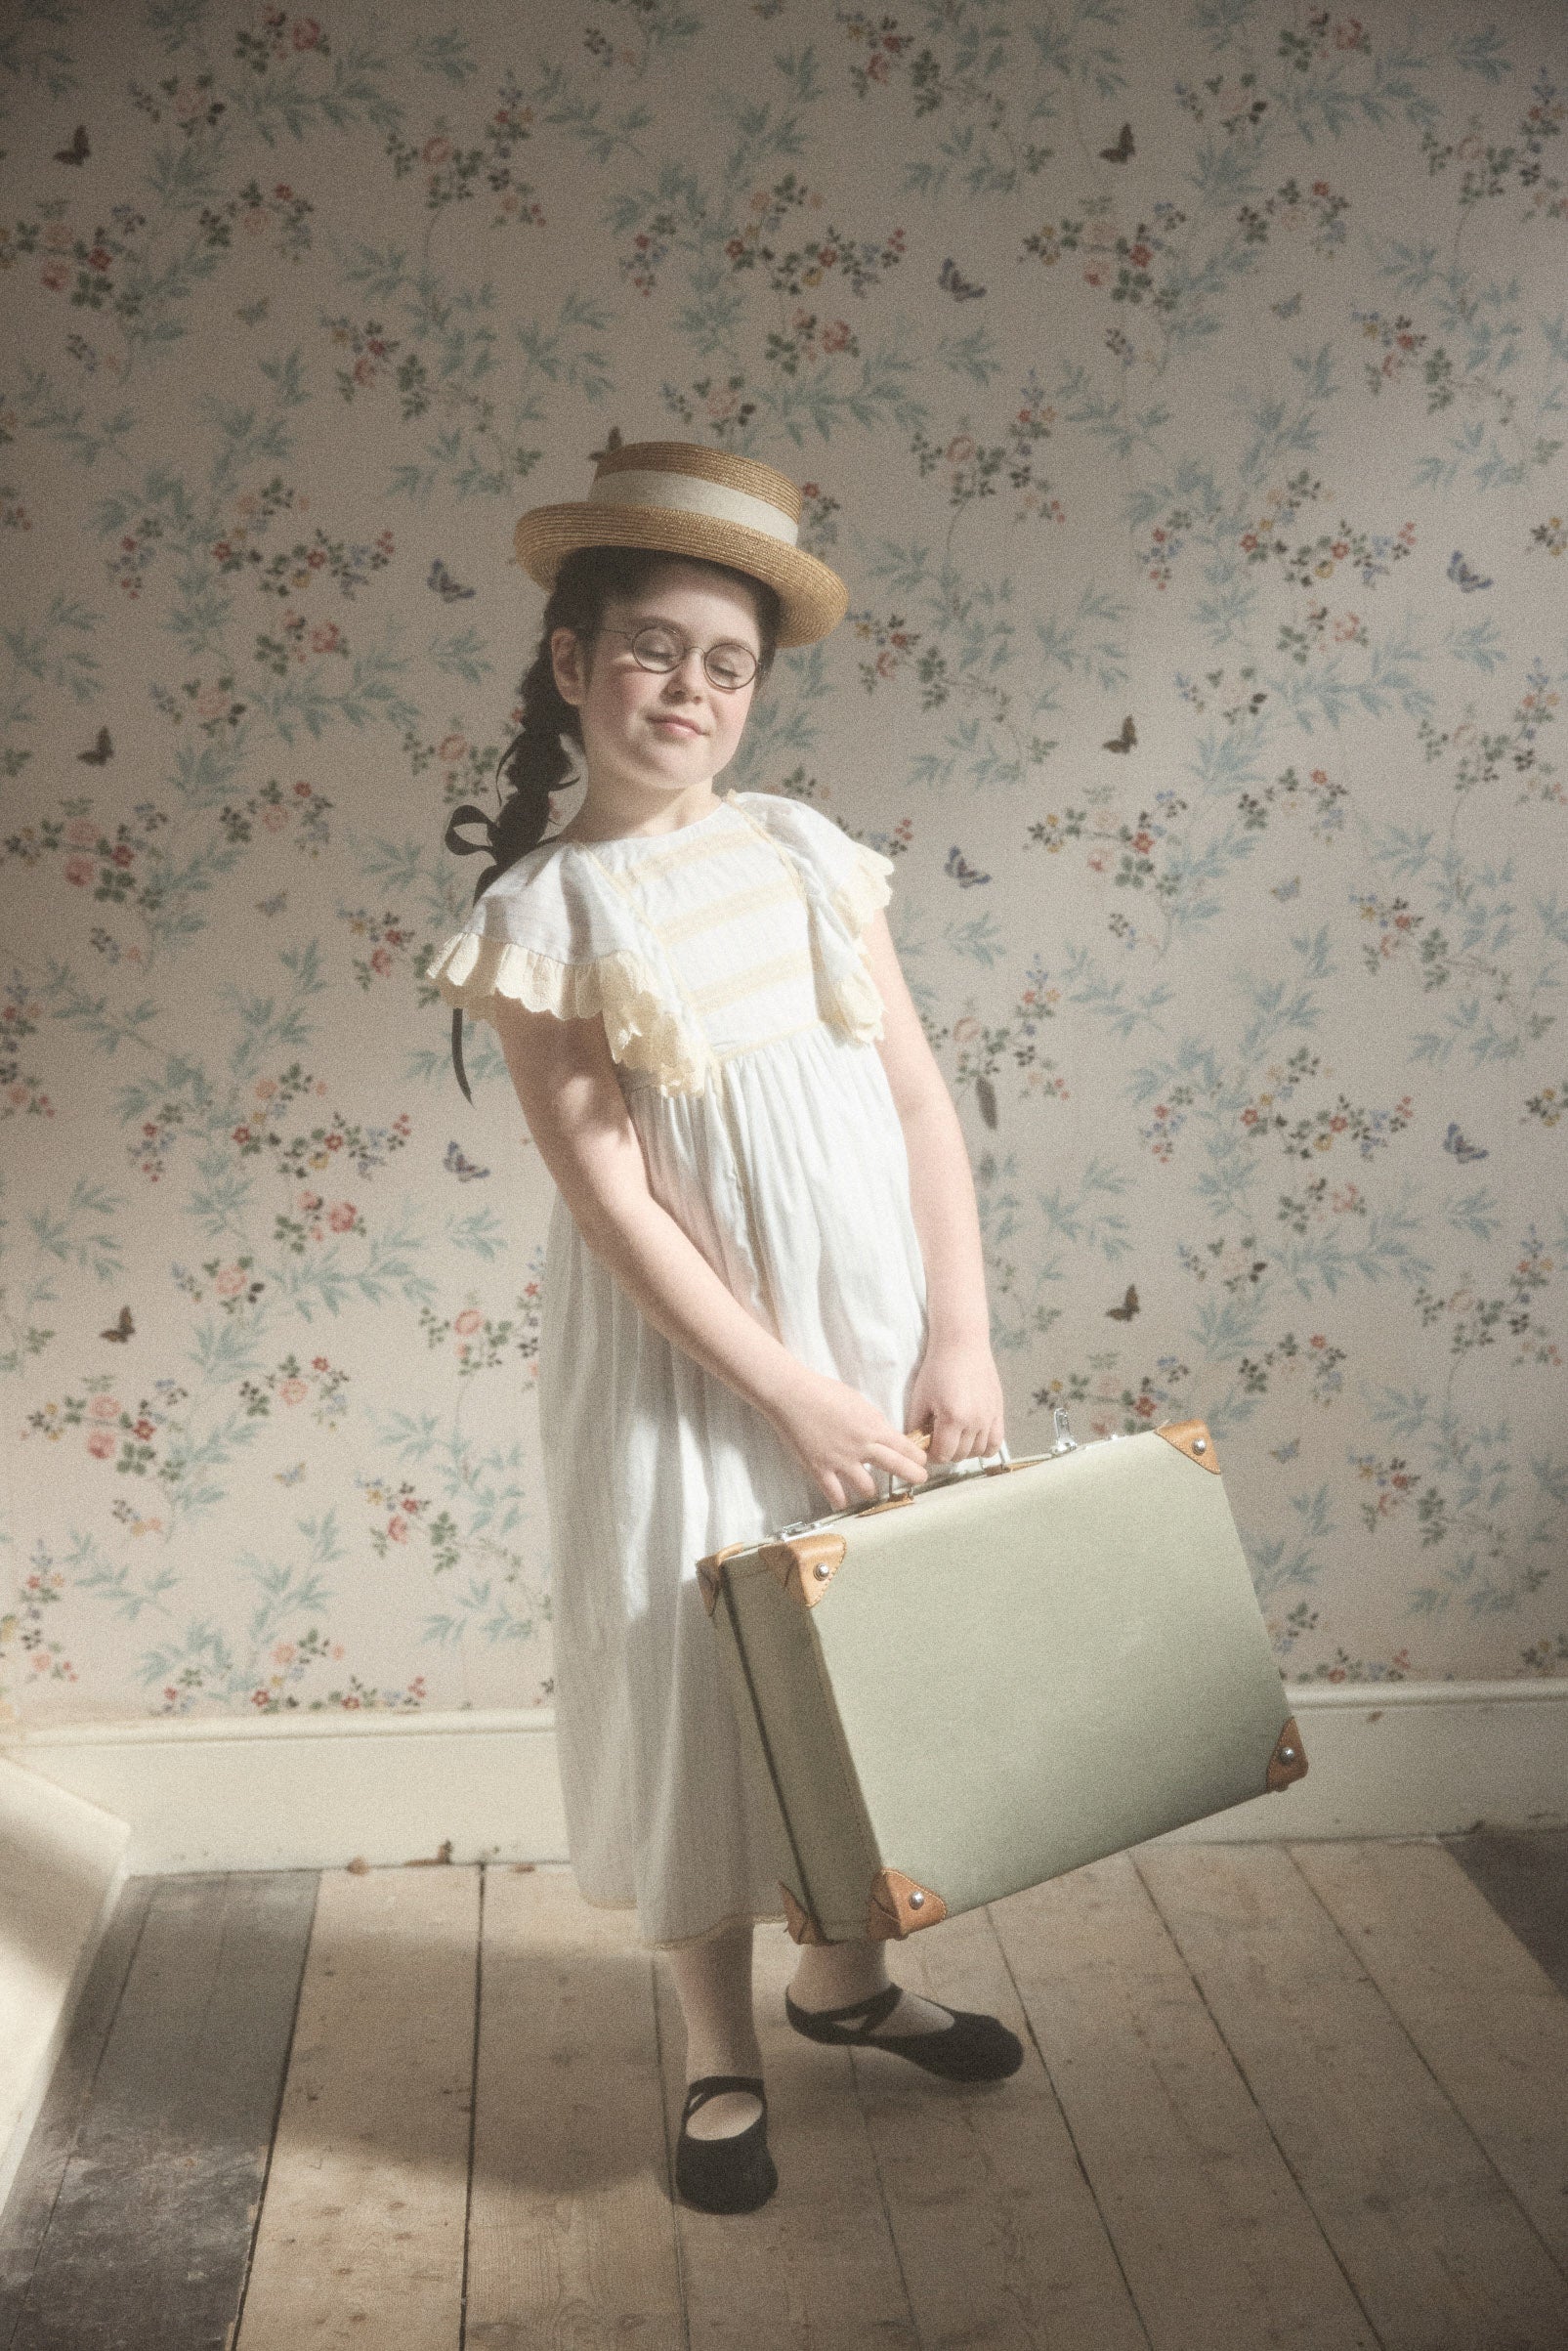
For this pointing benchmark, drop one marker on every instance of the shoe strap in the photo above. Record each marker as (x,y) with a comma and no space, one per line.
(712,2085)
(870,2012)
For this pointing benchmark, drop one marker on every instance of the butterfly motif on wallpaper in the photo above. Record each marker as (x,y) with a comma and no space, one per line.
(290,1476)
(1122,148)
(1286,889)
(465,1169)
(272,906)
(120,1330)
(1455,1142)
(78,149)
(958,287)
(1126,1310)
(961,872)
(1287,308)
(1463,577)
(445,585)
(101,752)
(1287,1451)
(253,313)
(1126,740)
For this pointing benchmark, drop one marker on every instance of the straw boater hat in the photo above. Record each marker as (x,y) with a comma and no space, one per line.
(689,499)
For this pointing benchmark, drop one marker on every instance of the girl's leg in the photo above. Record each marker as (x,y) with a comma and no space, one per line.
(714,1979)
(832,1975)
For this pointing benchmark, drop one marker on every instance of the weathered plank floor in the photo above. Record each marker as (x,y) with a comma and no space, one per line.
(1312,2096)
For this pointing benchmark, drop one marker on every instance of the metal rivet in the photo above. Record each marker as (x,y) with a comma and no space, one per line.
(1200,1444)
(916,1901)
(1287,1755)
(821,1573)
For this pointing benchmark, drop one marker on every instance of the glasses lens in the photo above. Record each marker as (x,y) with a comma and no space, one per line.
(730,666)
(658,648)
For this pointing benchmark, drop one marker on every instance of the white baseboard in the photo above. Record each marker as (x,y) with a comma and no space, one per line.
(62,1865)
(1412,1759)
(1397,1759)
(286,1793)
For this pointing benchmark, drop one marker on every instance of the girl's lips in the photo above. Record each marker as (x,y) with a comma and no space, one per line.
(682,726)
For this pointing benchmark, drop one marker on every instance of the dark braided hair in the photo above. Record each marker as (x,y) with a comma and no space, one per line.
(536,763)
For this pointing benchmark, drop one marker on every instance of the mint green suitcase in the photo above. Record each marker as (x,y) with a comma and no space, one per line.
(969,1687)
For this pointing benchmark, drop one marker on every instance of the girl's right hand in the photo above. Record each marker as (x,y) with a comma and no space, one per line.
(833,1432)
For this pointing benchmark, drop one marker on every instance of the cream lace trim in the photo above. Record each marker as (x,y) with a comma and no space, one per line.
(855,901)
(644,1033)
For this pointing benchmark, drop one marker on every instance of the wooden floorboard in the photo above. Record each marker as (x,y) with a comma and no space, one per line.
(997,2232)
(1487,2020)
(572,2232)
(146,2238)
(25,2221)
(1218,2245)
(1311,2097)
(360,2237)
(1438,2252)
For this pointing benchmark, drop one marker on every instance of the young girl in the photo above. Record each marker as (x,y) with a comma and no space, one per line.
(763,1277)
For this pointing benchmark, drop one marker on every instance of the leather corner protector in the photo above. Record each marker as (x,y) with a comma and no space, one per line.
(710,1573)
(802,1927)
(1288,1760)
(806,1565)
(899,1903)
(1191,1438)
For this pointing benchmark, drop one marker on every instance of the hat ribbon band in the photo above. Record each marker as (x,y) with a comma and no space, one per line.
(693,493)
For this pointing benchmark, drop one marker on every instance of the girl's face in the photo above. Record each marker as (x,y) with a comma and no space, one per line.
(658,733)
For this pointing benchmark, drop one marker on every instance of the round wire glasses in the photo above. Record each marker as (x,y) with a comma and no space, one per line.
(729,666)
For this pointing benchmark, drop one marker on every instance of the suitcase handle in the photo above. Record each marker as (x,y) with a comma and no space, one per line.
(947,1471)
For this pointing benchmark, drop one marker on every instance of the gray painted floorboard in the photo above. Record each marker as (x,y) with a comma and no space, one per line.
(151,2223)
(1524,1875)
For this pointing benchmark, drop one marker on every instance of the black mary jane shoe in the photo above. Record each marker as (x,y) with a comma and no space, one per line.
(725,2176)
(972,2048)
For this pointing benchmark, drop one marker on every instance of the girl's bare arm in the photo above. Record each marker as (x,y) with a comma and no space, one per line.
(957,1389)
(566,1082)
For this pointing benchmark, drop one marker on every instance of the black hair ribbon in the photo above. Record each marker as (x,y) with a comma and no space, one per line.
(468,814)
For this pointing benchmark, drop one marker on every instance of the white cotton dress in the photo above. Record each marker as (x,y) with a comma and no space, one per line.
(727,960)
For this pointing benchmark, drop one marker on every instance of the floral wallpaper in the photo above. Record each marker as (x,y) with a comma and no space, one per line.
(1183,390)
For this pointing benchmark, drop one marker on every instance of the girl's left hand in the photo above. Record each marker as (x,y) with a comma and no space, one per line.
(957,1393)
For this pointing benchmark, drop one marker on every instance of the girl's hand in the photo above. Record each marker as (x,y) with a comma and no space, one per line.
(833,1431)
(958,1394)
